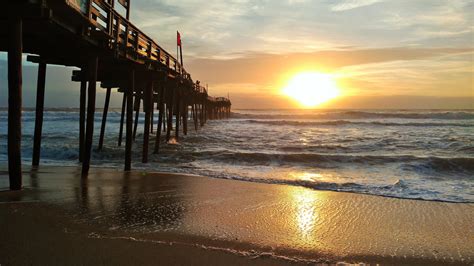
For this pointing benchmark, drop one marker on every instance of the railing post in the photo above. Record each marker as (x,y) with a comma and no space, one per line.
(128,10)
(110,22)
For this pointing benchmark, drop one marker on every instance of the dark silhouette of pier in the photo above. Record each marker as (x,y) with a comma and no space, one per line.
(97,37)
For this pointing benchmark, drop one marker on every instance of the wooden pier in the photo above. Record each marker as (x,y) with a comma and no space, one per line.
(97,37)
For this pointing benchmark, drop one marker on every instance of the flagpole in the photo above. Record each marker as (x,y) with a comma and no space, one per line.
(181,55)
(177,44)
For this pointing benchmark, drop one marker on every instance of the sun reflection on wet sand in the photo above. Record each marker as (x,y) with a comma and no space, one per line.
(306,215)
(308,210)
(312,177)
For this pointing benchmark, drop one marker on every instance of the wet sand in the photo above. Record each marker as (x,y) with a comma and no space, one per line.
(150,218)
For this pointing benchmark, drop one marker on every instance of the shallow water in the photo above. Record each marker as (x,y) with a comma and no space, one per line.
(404,153)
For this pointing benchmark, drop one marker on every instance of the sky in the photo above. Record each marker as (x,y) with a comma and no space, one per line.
(382,53)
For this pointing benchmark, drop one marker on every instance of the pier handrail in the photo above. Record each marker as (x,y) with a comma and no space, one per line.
(122,34)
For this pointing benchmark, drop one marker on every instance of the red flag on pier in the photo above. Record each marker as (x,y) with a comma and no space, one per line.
(178,38)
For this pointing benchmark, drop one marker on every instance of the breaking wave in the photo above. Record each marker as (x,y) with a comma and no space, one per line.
(452,115)
(346,122)
(438,164)
(398,189)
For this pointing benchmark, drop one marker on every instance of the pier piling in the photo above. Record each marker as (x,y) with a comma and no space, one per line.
(137,114)
(82,116)
(128,131)
(152,113)
(147,106)
(91,94)
(104,119)
(178,113)
(169,120)
(122,115)
(15,81)
(39,113)
(160,119)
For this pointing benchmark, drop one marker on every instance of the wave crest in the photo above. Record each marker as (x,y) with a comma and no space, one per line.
(346,122)
(452,115)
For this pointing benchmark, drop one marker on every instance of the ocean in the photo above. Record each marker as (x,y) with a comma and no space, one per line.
(413,154)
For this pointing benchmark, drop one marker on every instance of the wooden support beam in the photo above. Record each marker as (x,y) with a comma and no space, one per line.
(178,112)
(185,117)
(201,115)
(148,106)
(39,113)
(161,115)
(128,138)
(152,113)
(82,118)
(195,116)
(122,114)
(104,119)
(165,107)
(15,82)
(205,112)
(170,114)
(91,93)
(137,114)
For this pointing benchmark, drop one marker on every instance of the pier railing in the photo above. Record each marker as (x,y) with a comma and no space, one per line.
(122,35)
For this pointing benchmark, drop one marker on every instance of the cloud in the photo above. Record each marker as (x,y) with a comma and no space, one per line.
(352,4)
(220,29)
(264,69)
(440,72)
(252,46)
(446,76)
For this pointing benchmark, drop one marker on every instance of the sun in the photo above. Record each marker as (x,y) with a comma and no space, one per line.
(312,88)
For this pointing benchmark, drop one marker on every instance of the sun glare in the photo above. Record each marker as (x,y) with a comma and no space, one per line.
(312,88)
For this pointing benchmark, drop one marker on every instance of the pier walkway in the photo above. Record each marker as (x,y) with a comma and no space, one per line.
(97,37)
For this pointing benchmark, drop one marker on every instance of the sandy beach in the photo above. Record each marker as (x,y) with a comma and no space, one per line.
(145,218)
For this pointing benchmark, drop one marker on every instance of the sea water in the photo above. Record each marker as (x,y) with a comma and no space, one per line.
(415,154)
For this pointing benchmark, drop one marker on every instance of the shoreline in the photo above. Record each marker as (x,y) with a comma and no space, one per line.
(237,221)
(282,182)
